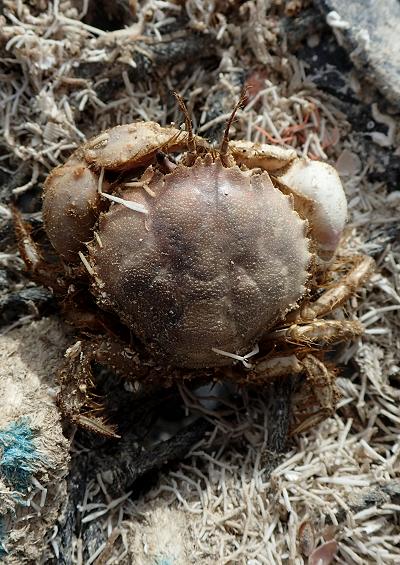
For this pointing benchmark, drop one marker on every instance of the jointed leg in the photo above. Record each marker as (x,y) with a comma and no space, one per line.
(40,271)
(270,368)
(340,292)
(319,392)
(305,329)
(319,332)
(79,403)
(322,385)
(77,398)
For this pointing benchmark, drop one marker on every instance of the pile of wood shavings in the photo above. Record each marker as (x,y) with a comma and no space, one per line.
(338,481)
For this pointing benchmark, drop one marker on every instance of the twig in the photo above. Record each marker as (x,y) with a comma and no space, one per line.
(278,415)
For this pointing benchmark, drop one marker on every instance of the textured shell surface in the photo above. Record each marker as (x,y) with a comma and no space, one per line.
(218,259)
(70,207)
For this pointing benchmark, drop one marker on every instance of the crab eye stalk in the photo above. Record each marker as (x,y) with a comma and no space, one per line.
(191,144)
(223,149)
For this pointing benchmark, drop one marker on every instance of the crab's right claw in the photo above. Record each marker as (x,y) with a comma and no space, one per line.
(320,182)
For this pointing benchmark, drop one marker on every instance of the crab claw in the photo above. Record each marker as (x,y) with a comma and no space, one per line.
(71,205)
(321,183)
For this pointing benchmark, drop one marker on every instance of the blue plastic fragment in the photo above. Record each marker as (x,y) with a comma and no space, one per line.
(19,457)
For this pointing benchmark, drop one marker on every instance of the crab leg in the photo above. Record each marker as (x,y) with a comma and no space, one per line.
(77,399)
(79,403)
(335,296)
(27,247)
(319,331)
(41,271)
(322,384)
(271,368)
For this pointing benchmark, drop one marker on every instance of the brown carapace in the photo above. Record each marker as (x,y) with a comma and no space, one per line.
(220,262)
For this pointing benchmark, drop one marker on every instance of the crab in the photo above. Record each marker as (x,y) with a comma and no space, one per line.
(216,264)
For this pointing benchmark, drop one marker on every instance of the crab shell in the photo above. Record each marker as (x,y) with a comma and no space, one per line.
(208,257)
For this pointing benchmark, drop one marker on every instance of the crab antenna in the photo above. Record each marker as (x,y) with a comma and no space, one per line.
(188,123)
(223,150)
